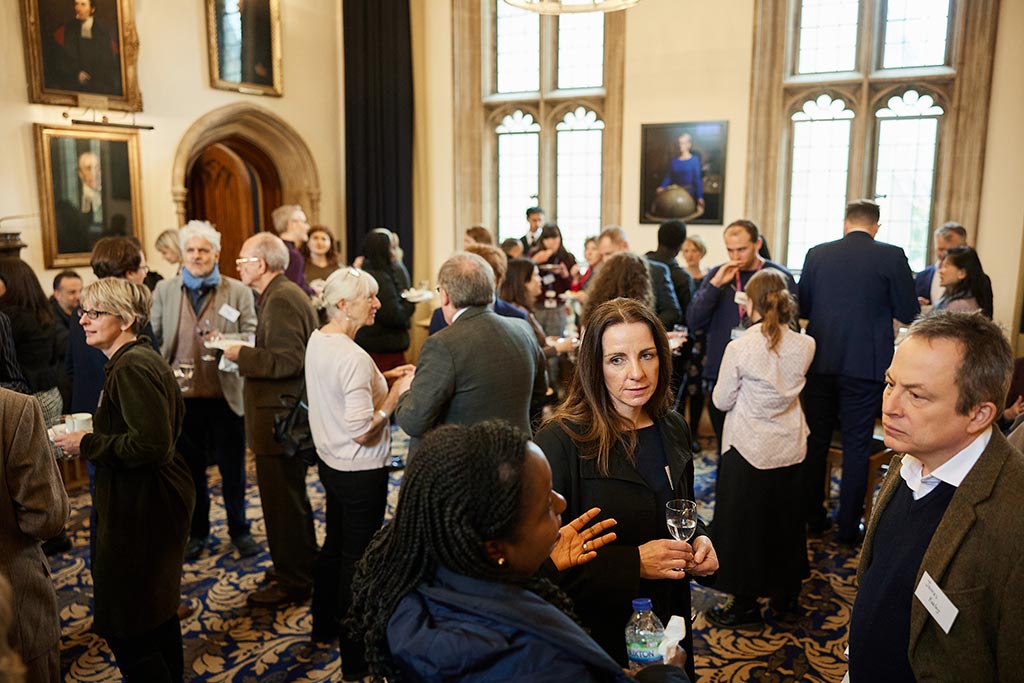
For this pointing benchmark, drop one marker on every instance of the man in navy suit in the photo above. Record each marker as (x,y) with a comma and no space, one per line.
(850,291)
(926,283)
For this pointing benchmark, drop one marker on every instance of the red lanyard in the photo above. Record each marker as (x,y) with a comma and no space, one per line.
(739,288)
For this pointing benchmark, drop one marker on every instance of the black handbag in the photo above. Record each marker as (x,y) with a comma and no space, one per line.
(291,428)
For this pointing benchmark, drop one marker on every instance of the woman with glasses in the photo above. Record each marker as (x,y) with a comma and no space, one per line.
(143,491)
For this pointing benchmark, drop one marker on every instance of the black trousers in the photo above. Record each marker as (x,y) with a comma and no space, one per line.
(717,419)
(154,657)
(355,511)
(212,433)
(288,517)
(851,404)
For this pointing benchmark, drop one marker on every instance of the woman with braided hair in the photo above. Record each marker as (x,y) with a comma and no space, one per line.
(449,590)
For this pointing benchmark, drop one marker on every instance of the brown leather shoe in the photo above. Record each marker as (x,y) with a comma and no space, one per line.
(274,596)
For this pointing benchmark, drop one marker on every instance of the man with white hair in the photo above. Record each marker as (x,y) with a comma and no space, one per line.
(186,310)
(276,367)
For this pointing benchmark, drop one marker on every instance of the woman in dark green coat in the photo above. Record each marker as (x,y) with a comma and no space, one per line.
(144,495)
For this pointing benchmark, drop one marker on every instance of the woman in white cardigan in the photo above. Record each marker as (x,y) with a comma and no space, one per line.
(758,528)
(350,409)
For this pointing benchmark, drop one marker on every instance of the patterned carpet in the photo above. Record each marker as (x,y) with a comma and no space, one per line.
(225,640)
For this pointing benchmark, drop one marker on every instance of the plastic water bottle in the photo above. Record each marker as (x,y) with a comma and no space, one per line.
(644,633)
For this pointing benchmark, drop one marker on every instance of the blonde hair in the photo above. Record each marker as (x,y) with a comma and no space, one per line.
(346,284)
(169,240)
(697,241)
(120,298)
(770,297)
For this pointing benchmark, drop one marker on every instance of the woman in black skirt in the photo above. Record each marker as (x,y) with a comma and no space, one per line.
(758,527)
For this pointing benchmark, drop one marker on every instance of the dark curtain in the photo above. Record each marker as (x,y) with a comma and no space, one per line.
(378,121)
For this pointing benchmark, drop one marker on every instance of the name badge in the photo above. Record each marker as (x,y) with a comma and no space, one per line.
(548,279)
(736,333)
(935,601)
(742,299)
(229,312)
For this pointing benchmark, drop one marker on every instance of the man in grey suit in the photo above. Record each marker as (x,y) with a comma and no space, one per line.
(666,305)
(186,310)
(482,366)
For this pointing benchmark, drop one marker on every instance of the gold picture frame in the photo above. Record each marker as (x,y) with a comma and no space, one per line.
(82,62)
(89,187)
(244,39)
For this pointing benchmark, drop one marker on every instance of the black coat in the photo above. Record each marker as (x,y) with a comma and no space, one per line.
(36,347)
(603,589)
(144,493)
(389,332)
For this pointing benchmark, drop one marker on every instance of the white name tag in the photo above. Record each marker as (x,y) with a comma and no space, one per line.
(741,298)
(229,312)
(935,601)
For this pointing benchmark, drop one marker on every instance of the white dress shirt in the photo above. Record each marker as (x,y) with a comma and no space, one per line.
(952,471)
(760,389)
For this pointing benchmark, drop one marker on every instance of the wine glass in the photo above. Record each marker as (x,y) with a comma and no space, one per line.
(681,517)
(183,372)
(203,329)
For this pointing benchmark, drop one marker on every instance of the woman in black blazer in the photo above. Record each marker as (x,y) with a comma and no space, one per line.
(615,444)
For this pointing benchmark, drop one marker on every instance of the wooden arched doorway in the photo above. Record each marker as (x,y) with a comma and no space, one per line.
(233,184)
(267,146)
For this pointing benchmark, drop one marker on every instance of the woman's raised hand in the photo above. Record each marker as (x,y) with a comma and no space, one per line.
(664,558)
(577,544)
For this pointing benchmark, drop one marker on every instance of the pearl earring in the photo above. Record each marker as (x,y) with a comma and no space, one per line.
(502,561)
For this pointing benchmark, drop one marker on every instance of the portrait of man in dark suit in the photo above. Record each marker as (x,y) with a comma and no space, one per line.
(88,187)
(81,46)
(85,211)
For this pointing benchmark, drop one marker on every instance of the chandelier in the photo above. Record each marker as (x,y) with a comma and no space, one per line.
(569,6)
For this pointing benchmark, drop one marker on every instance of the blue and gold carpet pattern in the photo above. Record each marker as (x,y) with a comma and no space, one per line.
(227,641)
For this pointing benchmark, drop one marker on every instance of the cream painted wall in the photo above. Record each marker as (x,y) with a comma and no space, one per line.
(691,62)
(686,62)
(174,79)
(1000,230)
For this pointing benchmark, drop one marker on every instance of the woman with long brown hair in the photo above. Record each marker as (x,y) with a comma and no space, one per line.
(521,288)
(758,526)
(621,275)
(614,443)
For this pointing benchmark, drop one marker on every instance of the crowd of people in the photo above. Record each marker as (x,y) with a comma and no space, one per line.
(546,387)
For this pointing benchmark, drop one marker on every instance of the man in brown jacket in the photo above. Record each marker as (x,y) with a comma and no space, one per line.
(285,320)
(942,571)
(33,508)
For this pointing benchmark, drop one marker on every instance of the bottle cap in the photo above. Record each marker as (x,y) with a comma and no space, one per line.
(641,604)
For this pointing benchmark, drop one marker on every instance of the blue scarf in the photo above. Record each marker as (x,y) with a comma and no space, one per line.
(197,288)
(194,283)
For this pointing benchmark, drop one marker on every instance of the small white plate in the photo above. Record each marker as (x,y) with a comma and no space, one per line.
(225,343)
(417,296)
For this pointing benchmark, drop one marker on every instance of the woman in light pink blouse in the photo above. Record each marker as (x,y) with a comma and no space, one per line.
(758,527)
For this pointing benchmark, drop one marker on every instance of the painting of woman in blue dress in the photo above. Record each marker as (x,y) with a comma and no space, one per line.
(685,172)
(682,171)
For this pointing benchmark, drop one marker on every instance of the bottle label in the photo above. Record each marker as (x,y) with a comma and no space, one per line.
(643,654)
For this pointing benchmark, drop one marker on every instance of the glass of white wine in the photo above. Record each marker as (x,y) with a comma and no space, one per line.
(681,518)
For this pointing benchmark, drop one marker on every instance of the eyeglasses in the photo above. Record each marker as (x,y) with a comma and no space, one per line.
(242,261)
(92,314)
